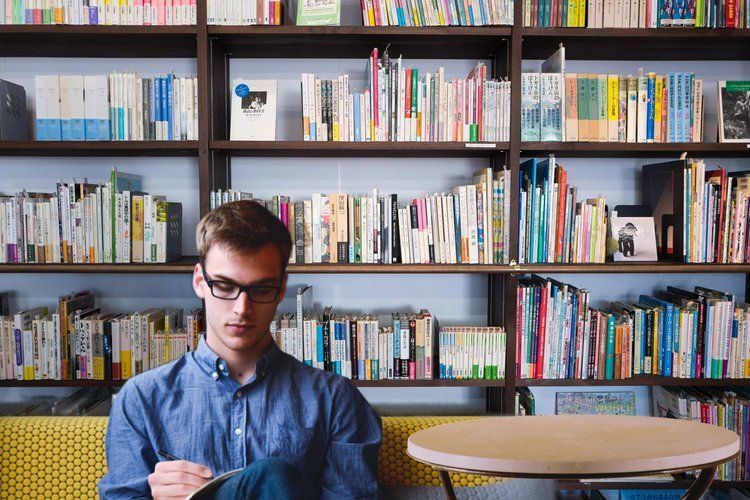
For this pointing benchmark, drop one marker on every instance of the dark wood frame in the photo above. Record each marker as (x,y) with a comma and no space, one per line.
(503,47)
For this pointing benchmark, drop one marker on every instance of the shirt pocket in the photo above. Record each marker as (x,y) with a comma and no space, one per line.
(301,447)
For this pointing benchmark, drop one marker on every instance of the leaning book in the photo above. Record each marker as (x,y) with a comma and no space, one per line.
(253,110)
(318,12)
(734,111)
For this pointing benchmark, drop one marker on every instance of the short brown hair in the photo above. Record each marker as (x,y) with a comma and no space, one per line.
(242,226)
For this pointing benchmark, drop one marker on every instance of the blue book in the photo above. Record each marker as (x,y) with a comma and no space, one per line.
(157,105)
(357,131)
(339,336)
(671,97)
(528,178)
(441,365)
(396,348)
(694,352)
(687,105)
(319,345)
(650,107)
(151,109)
(170,113)
(666,336)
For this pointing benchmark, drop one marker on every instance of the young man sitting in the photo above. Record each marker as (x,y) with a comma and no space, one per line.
(237,401)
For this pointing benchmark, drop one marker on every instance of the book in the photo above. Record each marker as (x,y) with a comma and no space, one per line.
(318,13)
(734,111)
(253,113)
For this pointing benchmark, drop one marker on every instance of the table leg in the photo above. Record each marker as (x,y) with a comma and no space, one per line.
(701,484)
(445,478)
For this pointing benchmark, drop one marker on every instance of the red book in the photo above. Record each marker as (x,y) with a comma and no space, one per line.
(562,188)
(407,101)
(731,21)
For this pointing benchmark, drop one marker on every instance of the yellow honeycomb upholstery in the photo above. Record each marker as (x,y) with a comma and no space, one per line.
(63,457)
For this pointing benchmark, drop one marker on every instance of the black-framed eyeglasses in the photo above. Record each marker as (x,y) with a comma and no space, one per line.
(226,290)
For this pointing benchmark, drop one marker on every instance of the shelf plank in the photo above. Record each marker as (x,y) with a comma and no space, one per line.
(186,264)
(358,41)
(97,41)
(359,149)
(357,383)
(635,44)
(628,150)
(643,380)
(182,266)
(98,148)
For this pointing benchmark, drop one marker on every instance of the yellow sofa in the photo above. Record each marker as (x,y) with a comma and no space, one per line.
(63,457)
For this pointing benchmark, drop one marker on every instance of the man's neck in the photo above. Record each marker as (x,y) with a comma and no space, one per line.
(241,364)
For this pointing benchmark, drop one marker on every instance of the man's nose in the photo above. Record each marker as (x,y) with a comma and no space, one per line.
(243,304)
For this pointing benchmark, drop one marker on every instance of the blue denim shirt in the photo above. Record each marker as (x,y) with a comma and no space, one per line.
(191,408)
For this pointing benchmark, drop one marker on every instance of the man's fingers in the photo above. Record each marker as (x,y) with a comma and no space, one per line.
(183,466)
(179,477)
(173,490)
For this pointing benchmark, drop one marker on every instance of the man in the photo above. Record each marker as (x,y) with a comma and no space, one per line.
(237,401)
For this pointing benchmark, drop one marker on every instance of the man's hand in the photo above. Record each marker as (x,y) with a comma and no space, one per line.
(177,479)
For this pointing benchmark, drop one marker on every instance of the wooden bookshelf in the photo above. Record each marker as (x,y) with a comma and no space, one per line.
(97,41)
(358,41)
(359,149)
(640,380)
(98,148)
(638,44)
(184,265)
(633,150)
(357,383)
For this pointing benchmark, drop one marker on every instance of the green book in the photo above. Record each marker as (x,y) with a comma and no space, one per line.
(610,366)
(583,108)
(319,13)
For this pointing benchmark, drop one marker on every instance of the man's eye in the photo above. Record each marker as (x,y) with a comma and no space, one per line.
(224,287)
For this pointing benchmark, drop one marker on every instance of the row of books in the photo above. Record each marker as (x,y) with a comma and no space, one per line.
(81,342)
(84,223)
(553,226)
(469,225)
(715,219)
(729,409)
(100,12)
(116,107)
(245,12)
(611,108)
(406,106)
(676,333)
(636,13)
(700,215)
(443,13)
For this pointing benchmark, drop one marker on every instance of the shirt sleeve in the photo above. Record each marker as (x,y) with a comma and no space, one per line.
(351,468)
(130,455)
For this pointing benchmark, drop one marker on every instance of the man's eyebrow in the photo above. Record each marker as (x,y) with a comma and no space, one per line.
(262,281)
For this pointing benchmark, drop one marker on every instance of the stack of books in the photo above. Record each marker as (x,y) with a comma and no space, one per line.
(676,333)
(404,104)
(84,223)
(245,12)
(100,12)
(444,13)
(80,342)
(553,226)
(116,107)
(470,225)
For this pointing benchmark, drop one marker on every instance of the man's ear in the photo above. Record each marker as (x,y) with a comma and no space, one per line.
(198,281)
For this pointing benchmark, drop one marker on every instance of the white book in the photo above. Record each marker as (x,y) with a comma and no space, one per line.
(253,113)
(91,114)
(77,110)
(40,102)
(65,108)
(642,108)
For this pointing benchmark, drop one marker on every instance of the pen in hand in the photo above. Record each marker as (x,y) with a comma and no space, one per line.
(169,456)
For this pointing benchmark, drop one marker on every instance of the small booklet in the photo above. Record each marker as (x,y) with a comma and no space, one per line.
(207,490)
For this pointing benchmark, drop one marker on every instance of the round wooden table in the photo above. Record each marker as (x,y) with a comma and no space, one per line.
(575,447)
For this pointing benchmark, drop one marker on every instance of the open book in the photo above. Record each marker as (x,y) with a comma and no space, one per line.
(207,490)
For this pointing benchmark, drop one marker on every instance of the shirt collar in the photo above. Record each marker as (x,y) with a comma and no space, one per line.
(216,368)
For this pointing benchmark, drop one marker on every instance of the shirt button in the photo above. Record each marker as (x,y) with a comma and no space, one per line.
(238,431)
(215,376)
(238,394)
(221,366)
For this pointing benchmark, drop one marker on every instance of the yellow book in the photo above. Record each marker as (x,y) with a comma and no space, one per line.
(582,13)
(613,95)
(658,105)
(572,19)
(370,13)
(97,348)
(136,228)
